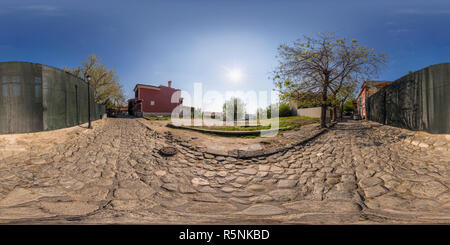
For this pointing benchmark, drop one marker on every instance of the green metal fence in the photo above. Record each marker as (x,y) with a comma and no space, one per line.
(417,101)
(35,97)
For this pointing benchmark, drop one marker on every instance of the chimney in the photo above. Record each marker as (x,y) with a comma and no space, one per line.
(169,84)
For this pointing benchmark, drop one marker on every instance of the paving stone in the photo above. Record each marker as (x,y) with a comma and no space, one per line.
(23,213)
(257,188)
(69,208)
(283,194)
(388,202)
(227,189)
(374,191)
(199,181)
(19,196)
(276,169)
(249,171)
(206,189)
(127,205)
(209,174)
(123,193)
(242,194)
(220,158)
(310,206)
(260,209)
(170,187)
(346,186)
(205,197)
(242,180)
(211,208)
(369,181)
(348,178)
(222,173)
(186,189)
(424,204)
(160,173)
(391,184)
(339,195)
(208,156)
(285,183)
(240,200)
(332,181)
(428,189)
(261,198)
(262,174)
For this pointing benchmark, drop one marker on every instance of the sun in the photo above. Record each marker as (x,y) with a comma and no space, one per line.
(235,74)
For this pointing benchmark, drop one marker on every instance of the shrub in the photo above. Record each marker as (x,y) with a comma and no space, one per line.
(348,106)
(284,110)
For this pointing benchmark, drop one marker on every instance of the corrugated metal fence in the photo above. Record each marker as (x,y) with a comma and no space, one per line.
(35,97)
(417,101)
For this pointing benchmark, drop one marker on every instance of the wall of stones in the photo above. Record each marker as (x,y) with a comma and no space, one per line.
(35,97)
(311,112)
(417,101)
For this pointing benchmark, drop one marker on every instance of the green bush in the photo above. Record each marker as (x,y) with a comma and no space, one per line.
(348,106)
(284,110)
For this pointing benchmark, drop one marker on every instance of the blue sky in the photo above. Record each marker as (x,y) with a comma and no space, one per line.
(200,40)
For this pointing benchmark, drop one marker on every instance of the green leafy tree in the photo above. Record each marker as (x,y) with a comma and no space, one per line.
(323,65)
(306,100)
(105,83)
(234,107)
(284,110)
(348,106)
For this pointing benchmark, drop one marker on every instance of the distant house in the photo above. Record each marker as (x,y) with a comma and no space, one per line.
(368,88)
(153,100)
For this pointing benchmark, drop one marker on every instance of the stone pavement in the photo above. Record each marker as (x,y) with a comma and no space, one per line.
(356,173)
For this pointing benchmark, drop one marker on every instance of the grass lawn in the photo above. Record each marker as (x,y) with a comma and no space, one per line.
(156,118)
(292,122)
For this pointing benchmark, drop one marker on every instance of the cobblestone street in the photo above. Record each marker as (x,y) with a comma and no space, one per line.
(354,173)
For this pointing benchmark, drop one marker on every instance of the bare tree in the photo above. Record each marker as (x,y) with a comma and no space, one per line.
(323,65)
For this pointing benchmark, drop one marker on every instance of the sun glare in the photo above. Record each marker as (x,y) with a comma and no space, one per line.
(234,74)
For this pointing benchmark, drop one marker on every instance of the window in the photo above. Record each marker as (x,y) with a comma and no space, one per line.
(4,79)
(152,102)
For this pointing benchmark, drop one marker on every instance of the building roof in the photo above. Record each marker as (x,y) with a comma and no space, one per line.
(151,86)
(375,83)
(145,86)
(371,84)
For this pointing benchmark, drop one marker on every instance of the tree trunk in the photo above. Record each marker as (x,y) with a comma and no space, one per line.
(334,114)
(342,111)
(323,114)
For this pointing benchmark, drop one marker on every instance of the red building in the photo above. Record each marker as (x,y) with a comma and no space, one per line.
(368,88)
(153,101)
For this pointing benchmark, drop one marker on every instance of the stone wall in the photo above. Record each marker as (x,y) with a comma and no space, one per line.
(310,112)
(417,101)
